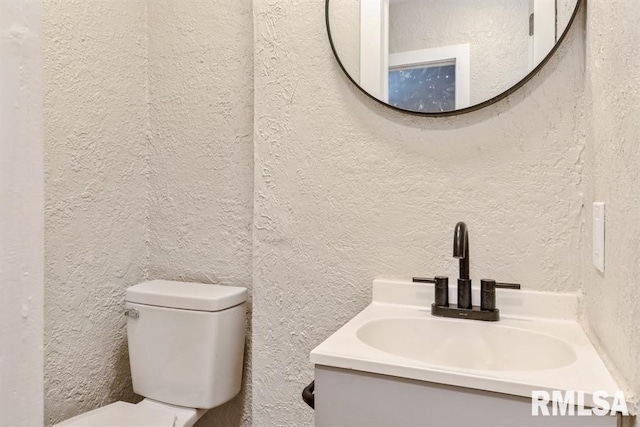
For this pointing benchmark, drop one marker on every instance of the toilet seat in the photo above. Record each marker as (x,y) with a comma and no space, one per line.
(147,413)
(120,414)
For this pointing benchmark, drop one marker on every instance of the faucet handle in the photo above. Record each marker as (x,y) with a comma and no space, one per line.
(423,280)
(442,291)
(504,285)
(488,292)
(441,288)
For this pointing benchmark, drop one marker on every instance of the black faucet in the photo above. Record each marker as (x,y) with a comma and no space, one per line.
(461,251)
(465,309)
(461,248)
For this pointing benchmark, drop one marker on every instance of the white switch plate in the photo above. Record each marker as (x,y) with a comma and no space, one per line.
(598,235)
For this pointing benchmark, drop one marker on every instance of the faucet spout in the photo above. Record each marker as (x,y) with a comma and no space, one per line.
(461,248)
(463,307)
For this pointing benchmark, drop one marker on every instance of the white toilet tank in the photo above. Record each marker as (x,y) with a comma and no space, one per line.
(186,341)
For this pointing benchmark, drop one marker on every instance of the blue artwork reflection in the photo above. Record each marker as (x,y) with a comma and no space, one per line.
(428,89)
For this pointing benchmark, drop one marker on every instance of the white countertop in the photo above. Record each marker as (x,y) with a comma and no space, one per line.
(550,314)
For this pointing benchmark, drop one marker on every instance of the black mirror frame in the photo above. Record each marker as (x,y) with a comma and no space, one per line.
(465,110)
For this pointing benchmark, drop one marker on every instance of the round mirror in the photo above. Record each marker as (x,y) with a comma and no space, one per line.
(444,57)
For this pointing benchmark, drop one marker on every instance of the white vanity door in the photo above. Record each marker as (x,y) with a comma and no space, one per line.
(348,398)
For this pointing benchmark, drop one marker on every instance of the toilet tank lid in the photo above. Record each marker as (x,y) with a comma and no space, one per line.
(186,295)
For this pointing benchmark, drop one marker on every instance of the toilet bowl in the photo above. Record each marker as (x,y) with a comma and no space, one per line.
(186,349)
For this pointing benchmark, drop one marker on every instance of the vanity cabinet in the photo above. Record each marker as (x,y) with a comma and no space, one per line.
(349,398)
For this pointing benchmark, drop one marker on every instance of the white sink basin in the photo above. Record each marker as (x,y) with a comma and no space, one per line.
(466,344)
(537,344)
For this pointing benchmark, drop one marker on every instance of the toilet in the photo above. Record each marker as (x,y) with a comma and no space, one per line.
(186,348)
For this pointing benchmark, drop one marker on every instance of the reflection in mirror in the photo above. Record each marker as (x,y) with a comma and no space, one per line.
(435,56)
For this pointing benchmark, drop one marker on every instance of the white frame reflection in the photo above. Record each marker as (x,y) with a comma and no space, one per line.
(459,54)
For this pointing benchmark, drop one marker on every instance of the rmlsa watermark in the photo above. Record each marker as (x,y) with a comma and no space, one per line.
(572,403)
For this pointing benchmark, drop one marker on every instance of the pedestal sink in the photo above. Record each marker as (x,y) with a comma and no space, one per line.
(466,344)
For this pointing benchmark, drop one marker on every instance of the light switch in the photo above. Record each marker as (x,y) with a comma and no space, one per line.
(598,235)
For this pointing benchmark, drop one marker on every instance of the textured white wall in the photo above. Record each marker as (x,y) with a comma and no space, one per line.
(346,190)
(21,214)
(96,196)
(497,32)
(201,158)
(344,16)
(611,128)
(149,168)
(564,11)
